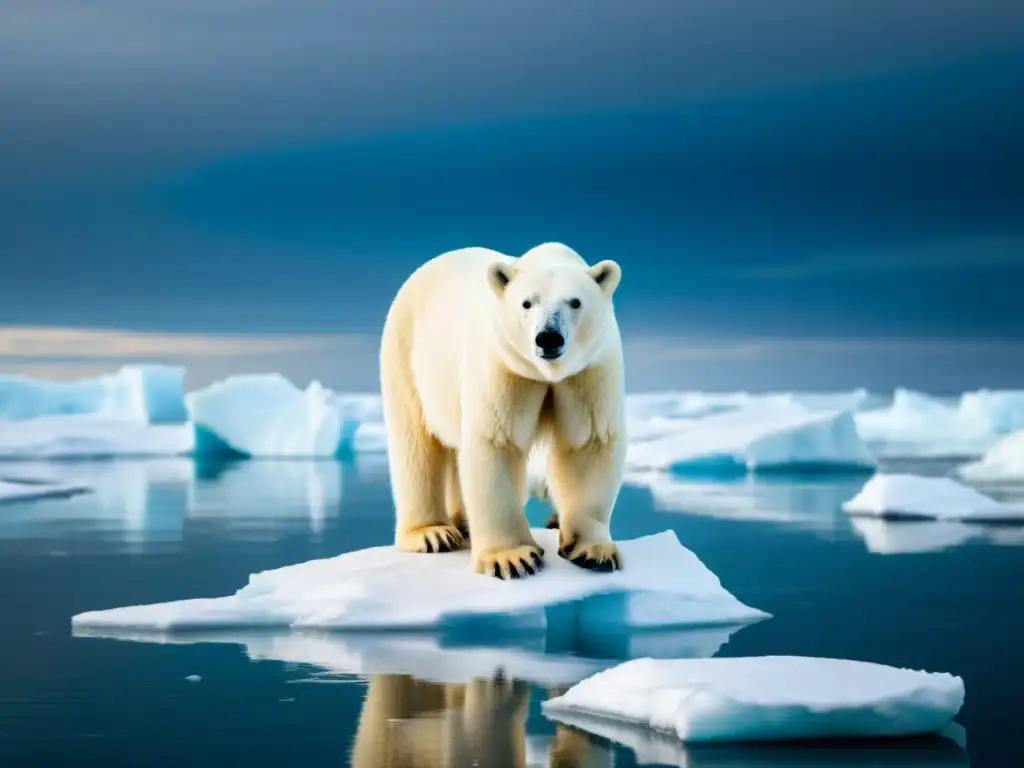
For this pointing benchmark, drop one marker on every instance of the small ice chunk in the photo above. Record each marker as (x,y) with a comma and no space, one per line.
(785,437)
(193,678)
(927,498)
(26,489)
(1003,461)
(268,416)
(662,585)
(766,698)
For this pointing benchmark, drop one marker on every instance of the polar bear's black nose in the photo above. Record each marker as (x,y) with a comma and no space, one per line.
(550,342)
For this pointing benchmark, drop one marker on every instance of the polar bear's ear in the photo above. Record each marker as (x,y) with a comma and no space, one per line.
(499,275)
(607,275)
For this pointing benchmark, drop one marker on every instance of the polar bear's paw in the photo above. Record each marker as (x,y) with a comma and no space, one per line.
(430,539)
(552,521)
(513,563)
(602,556)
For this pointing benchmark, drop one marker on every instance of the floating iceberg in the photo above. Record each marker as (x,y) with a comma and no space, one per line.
(927,498)
(758,439)
(1003,461)
(916,424)
(89,436)
(766,698)
(662,586)
(268,416)
(143,393)
(27,489)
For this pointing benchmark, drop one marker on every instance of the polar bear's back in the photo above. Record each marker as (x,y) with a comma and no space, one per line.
(433,320)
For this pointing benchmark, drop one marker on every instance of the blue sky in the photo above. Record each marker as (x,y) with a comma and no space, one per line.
(801,194)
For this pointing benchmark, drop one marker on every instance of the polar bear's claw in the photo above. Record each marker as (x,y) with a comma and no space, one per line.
(431,539)
(603,557)
(514,563)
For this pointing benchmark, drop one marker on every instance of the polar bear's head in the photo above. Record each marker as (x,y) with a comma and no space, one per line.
(554,312)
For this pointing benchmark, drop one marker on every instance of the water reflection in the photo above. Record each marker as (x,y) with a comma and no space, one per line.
(944,750)
(147,504)
(134,501)
(813,504)
(537,659)
(253,498)
(408,723)
(903,537)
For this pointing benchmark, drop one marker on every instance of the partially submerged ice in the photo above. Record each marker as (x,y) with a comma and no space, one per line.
(144,393)
(765,698)
(662,586)
(1003,461)
(758,439)
(266,415)
(901,496)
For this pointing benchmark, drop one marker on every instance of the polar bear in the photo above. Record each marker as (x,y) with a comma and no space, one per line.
(483,356)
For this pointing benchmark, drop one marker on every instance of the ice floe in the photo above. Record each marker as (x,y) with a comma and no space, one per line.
(765,698)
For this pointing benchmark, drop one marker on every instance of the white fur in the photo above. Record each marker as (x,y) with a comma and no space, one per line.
(466,395)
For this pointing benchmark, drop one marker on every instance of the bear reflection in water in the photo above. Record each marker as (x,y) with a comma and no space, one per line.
(407,723)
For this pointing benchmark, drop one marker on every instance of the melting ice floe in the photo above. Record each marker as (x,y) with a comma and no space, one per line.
(928,498)
(758,439)
(266,415)
(1003,461)
(665,586)
(765,698)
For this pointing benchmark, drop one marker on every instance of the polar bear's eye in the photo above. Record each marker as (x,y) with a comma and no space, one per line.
(527,304)
(574,303)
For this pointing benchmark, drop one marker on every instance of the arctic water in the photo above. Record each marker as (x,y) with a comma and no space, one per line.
(926,595)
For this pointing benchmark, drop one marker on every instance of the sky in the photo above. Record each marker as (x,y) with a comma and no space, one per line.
(801,194)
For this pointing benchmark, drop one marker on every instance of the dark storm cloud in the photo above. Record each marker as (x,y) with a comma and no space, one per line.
(87,87)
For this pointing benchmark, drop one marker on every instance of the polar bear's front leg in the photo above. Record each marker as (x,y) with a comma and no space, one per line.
(584,483)
(493,481)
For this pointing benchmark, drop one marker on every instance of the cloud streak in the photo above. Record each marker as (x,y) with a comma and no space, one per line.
(27,343)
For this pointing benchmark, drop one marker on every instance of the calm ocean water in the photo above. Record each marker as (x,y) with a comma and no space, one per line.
(936,596)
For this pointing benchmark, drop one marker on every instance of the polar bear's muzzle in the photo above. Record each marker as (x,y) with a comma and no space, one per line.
(550,343)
